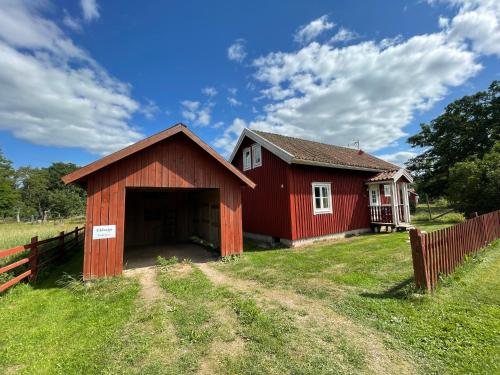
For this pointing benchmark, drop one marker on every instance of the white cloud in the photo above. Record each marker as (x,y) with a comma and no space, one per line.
(398,158)
(233,101)
(313,29)
(90,10)
(477,21)
(150,109)
(236,51)
(362,90)
(228,139)
(52,92)
(344,35)
(369,90)
(71,22)
(196,113)
(209,91)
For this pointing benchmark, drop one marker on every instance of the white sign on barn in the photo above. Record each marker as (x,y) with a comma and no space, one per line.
(100,232)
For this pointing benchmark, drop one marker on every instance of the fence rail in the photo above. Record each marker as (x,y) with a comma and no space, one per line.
(441,251)
(38,258)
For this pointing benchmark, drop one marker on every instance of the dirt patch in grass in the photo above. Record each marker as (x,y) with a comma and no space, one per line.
(150,290)
(380,359)
(229,345)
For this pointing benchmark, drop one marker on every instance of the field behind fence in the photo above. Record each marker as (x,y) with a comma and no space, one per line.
(441,251)
(41,254)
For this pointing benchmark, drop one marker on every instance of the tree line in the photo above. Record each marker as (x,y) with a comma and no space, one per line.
(29,193)
(461,157)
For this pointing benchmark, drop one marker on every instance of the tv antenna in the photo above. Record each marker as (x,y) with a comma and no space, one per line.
(355,143)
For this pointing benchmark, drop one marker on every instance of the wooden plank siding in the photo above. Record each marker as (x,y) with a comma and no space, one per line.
(176,162)
(266,209)
(281,203)
(349,201)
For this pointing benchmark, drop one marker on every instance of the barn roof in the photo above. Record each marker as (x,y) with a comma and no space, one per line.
(302,151)
(80,174)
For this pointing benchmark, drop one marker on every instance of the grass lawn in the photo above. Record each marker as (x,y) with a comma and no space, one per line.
(369,279)
(331,308)
(14,234)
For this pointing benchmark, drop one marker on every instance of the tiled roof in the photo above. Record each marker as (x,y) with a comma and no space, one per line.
(383,176)
(304,150)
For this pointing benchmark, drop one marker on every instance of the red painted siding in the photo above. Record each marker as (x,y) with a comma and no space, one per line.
(349,201)
(176,162)
(266,209)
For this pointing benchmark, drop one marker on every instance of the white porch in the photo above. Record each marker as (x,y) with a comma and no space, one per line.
(388,199)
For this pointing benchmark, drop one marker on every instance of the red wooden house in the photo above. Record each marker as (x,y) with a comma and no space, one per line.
(308,191)
(163,189)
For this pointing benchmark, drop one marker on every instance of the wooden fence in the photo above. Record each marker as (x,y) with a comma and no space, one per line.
(441,251)
(40,255)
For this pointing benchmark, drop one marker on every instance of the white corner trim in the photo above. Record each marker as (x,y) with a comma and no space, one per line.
(278,151)
(403,172)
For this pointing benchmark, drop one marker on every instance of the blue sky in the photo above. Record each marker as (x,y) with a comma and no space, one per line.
(80,79)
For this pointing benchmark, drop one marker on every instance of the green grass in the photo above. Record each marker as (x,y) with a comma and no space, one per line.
(62,329)
(363,284)
(202,327)
(369,279)
(14,234)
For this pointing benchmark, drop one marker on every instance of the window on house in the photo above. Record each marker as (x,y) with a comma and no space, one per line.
(257,155)
(387,190)
(373,197)
(322,197)
(247,159)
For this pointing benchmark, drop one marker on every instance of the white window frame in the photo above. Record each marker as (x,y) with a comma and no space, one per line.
(256,149)
(374,189)
(247,163)
(322,210)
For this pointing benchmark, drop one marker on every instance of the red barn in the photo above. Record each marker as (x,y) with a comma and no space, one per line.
(163,189)
(309,191)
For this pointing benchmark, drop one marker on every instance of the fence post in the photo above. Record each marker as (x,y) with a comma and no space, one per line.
(419,264)
(61,244)
(33,258)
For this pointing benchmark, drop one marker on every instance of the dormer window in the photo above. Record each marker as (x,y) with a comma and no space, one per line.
(257,155)
(252,157)
(247,158)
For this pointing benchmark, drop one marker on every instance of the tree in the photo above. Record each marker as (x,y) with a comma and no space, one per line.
(33,184)
(8,194)
(475,184)
(468,128)
(43,191)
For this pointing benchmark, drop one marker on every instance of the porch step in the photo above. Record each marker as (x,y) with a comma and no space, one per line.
(404,227)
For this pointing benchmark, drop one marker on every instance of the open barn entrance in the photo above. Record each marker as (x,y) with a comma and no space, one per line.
(171,222)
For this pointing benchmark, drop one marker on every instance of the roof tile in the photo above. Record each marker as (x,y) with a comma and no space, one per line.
(302,149)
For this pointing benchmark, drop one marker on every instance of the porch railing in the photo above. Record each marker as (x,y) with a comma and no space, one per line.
(381,214)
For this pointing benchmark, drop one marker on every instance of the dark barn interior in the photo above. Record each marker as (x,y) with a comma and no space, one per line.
(165,222)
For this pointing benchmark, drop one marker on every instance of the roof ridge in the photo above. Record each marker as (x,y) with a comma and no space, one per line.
(309,140)
(307,147)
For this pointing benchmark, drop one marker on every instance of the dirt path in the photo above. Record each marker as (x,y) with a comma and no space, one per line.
(381,360)
(150,290)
